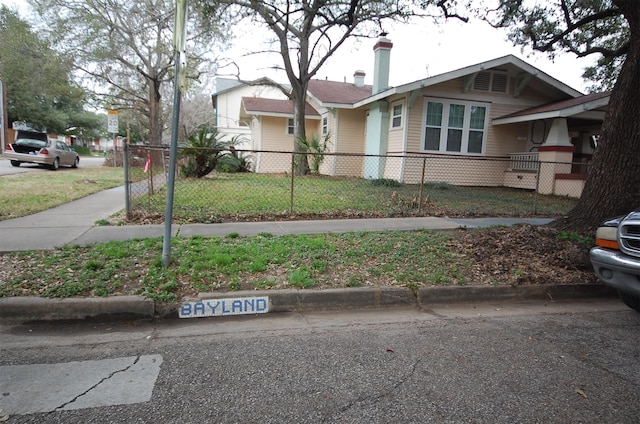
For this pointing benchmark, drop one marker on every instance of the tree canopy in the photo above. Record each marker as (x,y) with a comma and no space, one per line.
(611,29)
(124,50)
(581,27)
(38,80)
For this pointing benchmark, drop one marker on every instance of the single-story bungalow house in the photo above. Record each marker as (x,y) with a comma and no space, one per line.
(503,110)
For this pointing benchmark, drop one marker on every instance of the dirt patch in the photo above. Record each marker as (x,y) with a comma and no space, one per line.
(525,254)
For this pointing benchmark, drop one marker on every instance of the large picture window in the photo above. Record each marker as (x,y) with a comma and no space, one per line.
(453,126)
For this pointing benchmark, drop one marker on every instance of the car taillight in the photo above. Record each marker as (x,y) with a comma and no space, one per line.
(43,152)
(8,148)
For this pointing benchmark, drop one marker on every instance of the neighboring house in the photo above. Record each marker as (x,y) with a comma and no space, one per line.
(226,105)
(500,109)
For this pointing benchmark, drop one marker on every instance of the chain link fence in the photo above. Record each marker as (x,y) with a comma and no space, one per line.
(246,185)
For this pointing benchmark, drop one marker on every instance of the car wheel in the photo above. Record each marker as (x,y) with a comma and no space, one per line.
(56,164)
(76,163)
(630,300)
(15,163)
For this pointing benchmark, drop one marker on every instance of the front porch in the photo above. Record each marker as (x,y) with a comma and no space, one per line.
(526,170)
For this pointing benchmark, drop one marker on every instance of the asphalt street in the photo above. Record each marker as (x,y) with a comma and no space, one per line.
(481,362)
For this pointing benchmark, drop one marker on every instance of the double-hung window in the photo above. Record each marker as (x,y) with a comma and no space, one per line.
(396,116)
(453,126)
(290,129)
(325,125)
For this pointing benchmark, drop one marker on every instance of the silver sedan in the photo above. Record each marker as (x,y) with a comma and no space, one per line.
(51,153)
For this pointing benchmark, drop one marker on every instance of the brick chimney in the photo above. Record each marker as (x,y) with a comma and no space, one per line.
(382,54)
(358,78)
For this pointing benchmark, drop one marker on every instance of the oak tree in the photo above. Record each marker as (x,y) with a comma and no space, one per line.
(611,30)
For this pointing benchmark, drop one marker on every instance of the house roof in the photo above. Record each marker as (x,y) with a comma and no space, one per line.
(338,93)
(589,106)
(224,85)
(273,107)
(515,64)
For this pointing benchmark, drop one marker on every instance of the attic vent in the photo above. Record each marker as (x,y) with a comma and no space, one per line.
(482,81)
(493,81)
(499,82)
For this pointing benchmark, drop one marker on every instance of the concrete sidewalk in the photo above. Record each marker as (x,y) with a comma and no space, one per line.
(74,223)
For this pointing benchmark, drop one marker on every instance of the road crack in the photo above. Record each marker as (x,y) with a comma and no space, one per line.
(127,368)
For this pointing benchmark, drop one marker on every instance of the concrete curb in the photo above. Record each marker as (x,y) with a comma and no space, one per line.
(24,309)
(42,309)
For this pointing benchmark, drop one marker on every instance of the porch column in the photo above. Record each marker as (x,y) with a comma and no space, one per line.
(555,155)
(376,140)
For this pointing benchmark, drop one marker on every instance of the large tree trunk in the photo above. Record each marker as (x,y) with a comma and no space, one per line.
(299,95)
(613,184)
(155,121)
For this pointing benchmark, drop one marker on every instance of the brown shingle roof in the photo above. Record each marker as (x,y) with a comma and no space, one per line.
(338,92)
(563,104)
(260,106)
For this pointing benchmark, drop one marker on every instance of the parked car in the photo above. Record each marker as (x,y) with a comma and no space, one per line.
(33,147)
(616,257)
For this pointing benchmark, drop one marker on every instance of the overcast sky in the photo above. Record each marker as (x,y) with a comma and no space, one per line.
(419,50)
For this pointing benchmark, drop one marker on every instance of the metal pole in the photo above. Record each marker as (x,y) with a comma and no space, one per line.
(127,185)
(535,195)
(173,153)
(424,167)
(293,170)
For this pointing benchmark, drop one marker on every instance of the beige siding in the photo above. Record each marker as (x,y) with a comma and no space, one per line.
(273,136)
(349,139)
(458,171)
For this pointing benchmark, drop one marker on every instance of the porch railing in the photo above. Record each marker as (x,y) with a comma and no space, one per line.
(524,162)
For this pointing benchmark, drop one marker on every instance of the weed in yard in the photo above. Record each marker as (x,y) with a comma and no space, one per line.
(354,281)
(93,265)
(301,278)
(575,237)
(385,182)
(234,285)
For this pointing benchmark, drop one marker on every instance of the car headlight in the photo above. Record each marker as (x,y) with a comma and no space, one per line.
(607,237)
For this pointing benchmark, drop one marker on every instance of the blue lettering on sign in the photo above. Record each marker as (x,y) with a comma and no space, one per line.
(213,307)
(222,307)
(236,306)
(261,305)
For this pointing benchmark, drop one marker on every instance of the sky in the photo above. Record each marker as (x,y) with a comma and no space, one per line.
(420,50)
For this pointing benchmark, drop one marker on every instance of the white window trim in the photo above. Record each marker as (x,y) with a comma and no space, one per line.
(290,127)
(444,127)
(392,116)
(325,124)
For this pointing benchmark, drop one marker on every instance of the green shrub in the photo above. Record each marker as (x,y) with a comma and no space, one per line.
(385,182)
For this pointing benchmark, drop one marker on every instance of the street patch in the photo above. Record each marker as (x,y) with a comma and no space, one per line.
(28,389)
(225,307)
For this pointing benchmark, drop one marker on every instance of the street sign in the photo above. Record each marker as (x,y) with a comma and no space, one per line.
(112,121)
(225,307)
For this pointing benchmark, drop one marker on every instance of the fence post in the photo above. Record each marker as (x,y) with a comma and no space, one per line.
(127,186)
(424,166)
(293,171)
(535,195)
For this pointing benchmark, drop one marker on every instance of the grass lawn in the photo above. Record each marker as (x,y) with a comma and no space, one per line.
(407,259)
(221,197)
(27,193)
